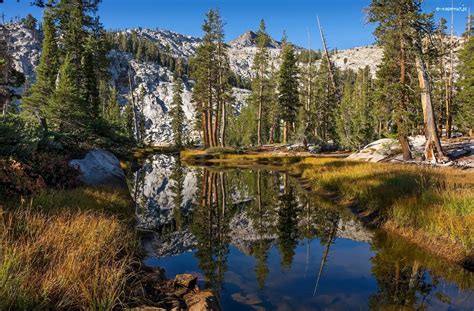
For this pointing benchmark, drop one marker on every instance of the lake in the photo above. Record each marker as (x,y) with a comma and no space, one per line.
(260,241)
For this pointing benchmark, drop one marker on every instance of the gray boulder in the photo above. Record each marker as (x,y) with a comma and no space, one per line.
(100,167)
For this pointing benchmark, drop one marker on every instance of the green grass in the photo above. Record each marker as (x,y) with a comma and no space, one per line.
(67,250)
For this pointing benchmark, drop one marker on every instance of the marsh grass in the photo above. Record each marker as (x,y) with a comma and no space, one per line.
(67,250)
(438,201)
(435,202)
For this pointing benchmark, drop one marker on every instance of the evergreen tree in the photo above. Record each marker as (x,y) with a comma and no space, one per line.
(401,28)
(42,90)
(288,93)
(177,113)
(112,112)
(355,123)
(393,73)
(326,103)
(260,96)
(128,122)
(212,91)
(5,69)
(306,118)
(439,74)
(65,109)
(30,22)
(465,84)
(273,114)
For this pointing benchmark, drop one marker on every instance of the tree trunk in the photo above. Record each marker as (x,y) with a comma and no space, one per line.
(401,136)
(272,134)
(404,143)
(285,132)
(433,150)
(259,120)
(136,122)
(204,128)
(223,124)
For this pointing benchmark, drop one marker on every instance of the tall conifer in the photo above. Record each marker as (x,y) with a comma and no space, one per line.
(288,93)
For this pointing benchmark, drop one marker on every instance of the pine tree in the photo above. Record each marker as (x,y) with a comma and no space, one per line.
(30,22)
(306,118)
(401,29)
(439,74)
(212,91)
(393,73)
(355,122)
(5,69)
(46,73)
(465,84)
(288,93)
(112,113)
(326,103)
(260,84)
(89,84)
(65,110)
(83,39)
(273,114)
(177,113)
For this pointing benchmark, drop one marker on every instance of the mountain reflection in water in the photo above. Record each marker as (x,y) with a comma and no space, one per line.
(261,242)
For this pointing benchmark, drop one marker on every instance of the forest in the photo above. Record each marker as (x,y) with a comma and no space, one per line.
(122,144)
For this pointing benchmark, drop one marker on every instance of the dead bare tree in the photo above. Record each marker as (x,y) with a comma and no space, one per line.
(433,149)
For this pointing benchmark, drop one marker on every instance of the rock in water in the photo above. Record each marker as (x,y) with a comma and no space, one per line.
(204,300)
(100,167)
(185,280)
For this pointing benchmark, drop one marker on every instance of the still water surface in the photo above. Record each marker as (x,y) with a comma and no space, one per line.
(261,242)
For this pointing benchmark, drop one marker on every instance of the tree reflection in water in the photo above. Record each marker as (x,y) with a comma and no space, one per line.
(294,239)
(280,213)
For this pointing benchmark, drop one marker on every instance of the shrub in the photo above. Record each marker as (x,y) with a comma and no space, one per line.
(17,178)
(40,171)
(55,170)
(17,136)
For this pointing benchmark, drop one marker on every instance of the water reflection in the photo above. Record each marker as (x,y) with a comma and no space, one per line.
(259,241)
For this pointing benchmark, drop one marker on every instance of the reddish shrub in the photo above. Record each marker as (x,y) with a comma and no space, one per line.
(42,171)
(19,179)
(55,170)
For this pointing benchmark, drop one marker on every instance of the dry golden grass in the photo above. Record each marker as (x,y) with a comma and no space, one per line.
(436,202)
(66,250)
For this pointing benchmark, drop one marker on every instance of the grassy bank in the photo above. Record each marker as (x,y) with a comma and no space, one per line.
(433,207)
(70,249)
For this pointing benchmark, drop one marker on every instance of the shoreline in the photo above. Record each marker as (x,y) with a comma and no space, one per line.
(293,164)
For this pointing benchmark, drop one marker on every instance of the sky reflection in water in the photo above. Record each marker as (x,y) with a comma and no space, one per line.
(261,243)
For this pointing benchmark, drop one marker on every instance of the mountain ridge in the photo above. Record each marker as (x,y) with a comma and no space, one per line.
(156,80)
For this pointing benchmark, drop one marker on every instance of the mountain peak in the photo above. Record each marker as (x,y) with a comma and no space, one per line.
(249,39)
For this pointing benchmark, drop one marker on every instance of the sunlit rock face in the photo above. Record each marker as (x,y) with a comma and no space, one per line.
(152,87)
(152,83)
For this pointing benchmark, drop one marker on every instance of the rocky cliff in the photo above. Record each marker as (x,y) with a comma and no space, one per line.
(156,81)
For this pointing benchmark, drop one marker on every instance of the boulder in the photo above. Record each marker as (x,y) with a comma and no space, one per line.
(203,300)
(100,167)
(185,280)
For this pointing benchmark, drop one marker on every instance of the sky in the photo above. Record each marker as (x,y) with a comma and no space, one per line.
(343,21)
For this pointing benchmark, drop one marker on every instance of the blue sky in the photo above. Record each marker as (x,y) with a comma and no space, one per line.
(343,20)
